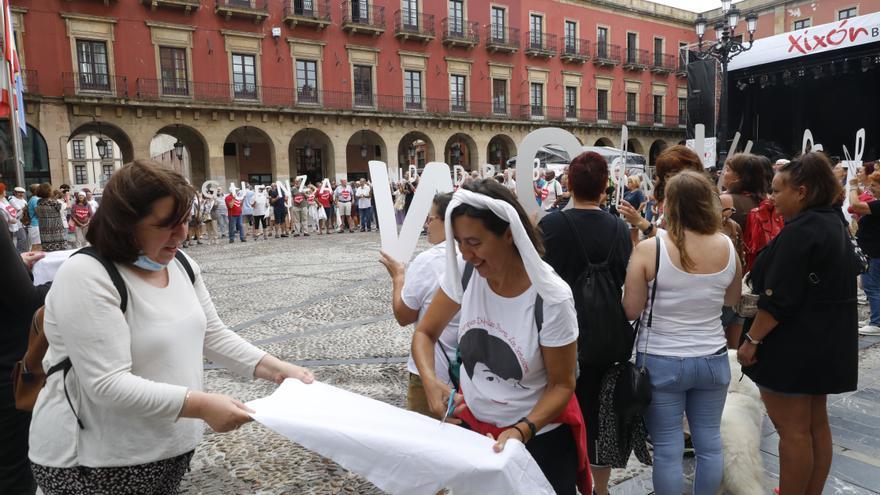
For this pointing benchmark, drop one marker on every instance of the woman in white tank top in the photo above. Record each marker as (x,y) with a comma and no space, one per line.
(685,349)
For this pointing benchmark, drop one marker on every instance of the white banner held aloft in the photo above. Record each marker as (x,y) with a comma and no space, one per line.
(401,452)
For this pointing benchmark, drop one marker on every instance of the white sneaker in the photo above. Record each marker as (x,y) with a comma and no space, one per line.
(862,297)
(869,330)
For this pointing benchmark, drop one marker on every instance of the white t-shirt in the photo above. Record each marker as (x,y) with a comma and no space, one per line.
(363,196)
(421,282)
(344,194)
(551,191)
(502,372)
(93,204)
(261,204)
(6,211)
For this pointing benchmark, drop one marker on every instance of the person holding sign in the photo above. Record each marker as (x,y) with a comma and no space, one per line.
(343,197)
(517,336)
(365,206)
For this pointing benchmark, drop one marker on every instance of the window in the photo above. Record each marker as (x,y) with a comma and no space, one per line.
(682,111)
(499,28)
(244,75)
(304,8)
(363,85)
(847,13)
(412,89)
(658,109)
(107,169)
(409,14)
(630,107)
(499,96)
(571,99)
(658,52)
(172,62)
(456,17)
(802,24)
(536,98)
(631,44)
(682,55)
(602,104)
(536,31)
(307,81)
(571,42)
(360,11)
(93,69)
(79,149)
(80,175)
(458,93)
(602,42)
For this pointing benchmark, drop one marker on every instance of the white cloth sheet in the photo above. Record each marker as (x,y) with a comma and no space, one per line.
(400,451)
(45,269)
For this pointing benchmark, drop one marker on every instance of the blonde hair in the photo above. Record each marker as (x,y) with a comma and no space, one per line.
(634,179)
(692,203)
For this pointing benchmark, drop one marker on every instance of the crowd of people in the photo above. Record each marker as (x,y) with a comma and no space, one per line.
(508,341)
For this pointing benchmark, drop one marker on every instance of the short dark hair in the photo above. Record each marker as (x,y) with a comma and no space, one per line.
(750,169)
(127,198)
(671,161)
(813,170)
(494,190)
(588,176)
(44,190)
(441,202)
(477,346)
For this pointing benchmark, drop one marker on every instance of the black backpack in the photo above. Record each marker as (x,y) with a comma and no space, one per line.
(605,336)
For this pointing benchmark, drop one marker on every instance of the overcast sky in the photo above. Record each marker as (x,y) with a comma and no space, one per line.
(692,5)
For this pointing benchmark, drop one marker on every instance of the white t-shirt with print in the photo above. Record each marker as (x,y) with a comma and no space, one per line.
(421,282)
(552,190)
(261,204)
(502,372)
(363,195)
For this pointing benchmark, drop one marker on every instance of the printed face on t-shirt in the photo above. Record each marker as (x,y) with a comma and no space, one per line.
(491,364)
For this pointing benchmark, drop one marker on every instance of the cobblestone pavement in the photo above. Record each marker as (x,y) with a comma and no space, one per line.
(325,302)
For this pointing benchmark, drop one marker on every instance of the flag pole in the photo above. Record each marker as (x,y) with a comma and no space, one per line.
(17,150)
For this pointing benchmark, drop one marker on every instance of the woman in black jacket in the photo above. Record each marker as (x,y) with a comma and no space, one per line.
(19,298)
(803,343)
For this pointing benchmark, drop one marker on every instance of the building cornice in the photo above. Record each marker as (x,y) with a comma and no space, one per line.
(168,25)
(86,17)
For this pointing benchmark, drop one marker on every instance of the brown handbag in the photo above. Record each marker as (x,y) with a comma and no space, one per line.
(28,376)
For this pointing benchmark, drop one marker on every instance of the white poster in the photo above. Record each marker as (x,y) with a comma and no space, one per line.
(708,156)
(399,451)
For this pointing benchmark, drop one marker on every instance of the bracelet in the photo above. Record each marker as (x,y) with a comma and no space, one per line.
(532,428)
(521,434)
(751,340)
(648,229)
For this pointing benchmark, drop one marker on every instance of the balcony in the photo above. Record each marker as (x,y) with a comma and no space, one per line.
(606,55)
(456,32)
(502,39)
(361,17)
(188,6)
(574,50)
(30,82)
(663,63)
(90,84)
(539,45)
(637,60)
(258,10)
(312,13)
(413,25)
(681,68)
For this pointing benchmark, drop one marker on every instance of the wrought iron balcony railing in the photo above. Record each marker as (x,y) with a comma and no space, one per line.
(606,54)
(456,32)
(501,38)
(94,84)
(307,12)
(574,50)
(663,63)
(363,16)
(413,24)
(637,59)
(258,10)
(539,44)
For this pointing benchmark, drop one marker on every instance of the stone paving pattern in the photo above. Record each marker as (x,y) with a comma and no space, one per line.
(325,302)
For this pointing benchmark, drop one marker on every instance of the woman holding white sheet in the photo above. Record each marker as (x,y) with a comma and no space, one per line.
(517,336)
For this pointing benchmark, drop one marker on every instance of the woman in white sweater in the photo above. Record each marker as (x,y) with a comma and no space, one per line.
(125,416)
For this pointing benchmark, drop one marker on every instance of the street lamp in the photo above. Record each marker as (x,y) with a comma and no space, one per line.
(246,147)
(725,48)
(178,145)
(363,146)
(103,145)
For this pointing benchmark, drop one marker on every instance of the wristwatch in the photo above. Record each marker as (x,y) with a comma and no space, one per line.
(647,231)
(532,428)
(750,339)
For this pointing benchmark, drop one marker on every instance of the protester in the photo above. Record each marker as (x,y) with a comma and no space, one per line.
(868,237)
(260,204)
(803,343)
(510,180)
(10,214)
(18,302)
(413,289)
(365,211)
(526,394)
(233,207)
(222,212)
(53,229)
(743,179)
(20,235)
(683,347)
(325,201)
(81,215)
(279,210)
(90,199)
(343,196)
(862,187)
(551,190)
(567,251)
(299,210)
(247,211)
(34,229)
(399,203)
(195,223)
(136,375)
(634,194)
(210,218)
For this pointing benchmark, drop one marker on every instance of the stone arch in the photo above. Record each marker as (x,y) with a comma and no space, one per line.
(249,155)
(36,157)
(461,149)
(500,149)
(604,141)
(85,166)
(194,165)
(656,148)
(635,146)
(310,153)
(415,148)
(364,145)
(111,132)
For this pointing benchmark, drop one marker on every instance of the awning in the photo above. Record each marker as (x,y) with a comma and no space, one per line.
(813,40)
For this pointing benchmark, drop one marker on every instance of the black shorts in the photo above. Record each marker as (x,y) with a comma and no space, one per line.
(555,452)
(280,215)
(589,384)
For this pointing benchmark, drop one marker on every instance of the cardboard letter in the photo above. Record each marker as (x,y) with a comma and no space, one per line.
(325,185)
(734,144)
(413,173)
(458,175)
(528,149)
(749,144)
(210,185)
(435,178)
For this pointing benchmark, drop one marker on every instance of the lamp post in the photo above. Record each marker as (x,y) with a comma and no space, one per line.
(724,49)
(178,144)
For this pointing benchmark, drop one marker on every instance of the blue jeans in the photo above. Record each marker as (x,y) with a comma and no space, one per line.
(698,387)
(366,215)
(235,223)
(871,286)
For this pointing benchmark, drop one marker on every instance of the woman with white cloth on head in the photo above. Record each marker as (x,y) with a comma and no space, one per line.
(517,336)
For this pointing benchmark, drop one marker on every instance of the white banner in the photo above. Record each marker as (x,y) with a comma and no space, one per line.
(818,39)
(400,451)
